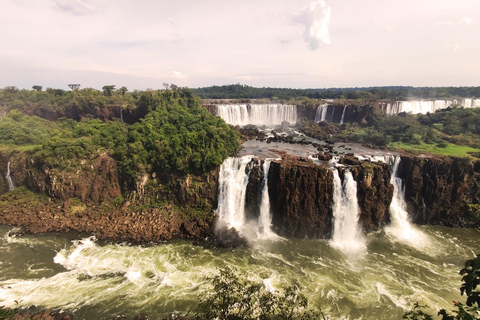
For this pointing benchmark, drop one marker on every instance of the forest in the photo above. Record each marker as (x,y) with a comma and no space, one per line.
(239,91)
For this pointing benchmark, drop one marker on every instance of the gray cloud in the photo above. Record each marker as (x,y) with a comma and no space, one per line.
(315,18)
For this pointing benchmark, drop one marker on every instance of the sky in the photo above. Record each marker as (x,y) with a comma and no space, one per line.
(265,43)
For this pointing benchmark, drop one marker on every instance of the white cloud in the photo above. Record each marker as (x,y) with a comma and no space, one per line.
(315,18)
(467,20)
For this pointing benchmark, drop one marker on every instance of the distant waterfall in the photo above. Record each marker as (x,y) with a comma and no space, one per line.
(346,233)
(265,218)
(425,106)
(257,114)
(321,113)
(11,185)
(233,180)
(343,114)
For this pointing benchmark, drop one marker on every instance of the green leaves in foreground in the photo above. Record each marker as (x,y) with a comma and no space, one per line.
(235,297)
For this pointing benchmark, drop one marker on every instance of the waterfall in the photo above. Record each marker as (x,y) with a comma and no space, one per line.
(11,185)
(257,114)
(121,114)
(321,114)
(233,180)
(346,233)
(400,226)
(265,218)
(425,106)
(343,114)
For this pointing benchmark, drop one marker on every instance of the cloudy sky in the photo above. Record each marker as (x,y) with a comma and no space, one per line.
(277,43)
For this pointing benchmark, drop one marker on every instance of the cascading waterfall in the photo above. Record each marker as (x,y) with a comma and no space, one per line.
(343,114)
(257,114)
(400,226)
(233,180)
(265,218)
(321,113)
(8,176)
(346,233)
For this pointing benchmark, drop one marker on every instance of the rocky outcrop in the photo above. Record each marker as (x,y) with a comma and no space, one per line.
(374,194)
(89,198)
(95,181)
(301,196)
(438,191)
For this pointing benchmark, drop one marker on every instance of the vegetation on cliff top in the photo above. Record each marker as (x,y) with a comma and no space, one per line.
(448,132)
(177,135)
(239,91)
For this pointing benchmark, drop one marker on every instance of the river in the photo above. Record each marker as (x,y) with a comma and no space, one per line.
(100,279)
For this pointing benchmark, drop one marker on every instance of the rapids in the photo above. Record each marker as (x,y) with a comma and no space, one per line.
(99,279)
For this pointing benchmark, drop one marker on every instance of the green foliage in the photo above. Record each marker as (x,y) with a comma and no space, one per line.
(177,136)
(417,313)
(239,91)
(235,297)
(6,313)
(471,279)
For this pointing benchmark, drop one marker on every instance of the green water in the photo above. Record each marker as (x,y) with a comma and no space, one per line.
(98,279)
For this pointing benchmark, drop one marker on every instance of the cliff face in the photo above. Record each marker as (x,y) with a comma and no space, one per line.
(374,194)
(301,195)
(94,182)
(88,198)
(438,191)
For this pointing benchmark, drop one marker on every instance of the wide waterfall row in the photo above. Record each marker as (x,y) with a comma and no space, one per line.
(233,181)
(425,106)
(257,114)
(347,233)
(330,113)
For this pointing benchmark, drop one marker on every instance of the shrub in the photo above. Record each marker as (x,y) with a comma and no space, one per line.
(235,297)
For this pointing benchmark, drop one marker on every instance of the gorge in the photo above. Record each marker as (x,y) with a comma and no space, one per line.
(340,228)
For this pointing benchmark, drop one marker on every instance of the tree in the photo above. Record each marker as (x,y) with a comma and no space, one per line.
(166,85)
(108,90)
(37,88)
(74,86)
(11,89)
(123,90)
(235,297)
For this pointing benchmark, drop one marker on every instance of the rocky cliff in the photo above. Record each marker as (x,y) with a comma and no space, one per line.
(90,198)
(301,195)
(439,191)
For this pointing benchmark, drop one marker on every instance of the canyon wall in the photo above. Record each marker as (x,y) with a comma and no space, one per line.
(439,191)
(90,197)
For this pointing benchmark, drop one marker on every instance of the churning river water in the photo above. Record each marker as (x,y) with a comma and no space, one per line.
(100,279)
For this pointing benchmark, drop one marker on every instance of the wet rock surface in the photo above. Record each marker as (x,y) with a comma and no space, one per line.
(438,191)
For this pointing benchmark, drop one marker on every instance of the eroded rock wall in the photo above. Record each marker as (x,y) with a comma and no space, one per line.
(438,191)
